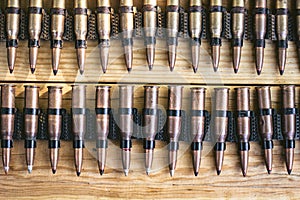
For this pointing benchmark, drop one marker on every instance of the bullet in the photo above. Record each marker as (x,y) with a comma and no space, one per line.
(80,29)
(174,124)
(216,26)
(150,29)
(172,14)
(31,123)
(243,125)
(298,26)
(78,123)
(127,28)
(195,30)
(7,123)
(289,123)
(260,20)
(58,13)
(220,124)
(150,123)
(102,109)
(238,24)
(12,29)
(126,123)
(35,11)
(54,123)
(282,32)
(197,125)
(103,27)
(266,123)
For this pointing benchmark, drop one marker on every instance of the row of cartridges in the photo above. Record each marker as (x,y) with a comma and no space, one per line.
(150,123)
(150,21)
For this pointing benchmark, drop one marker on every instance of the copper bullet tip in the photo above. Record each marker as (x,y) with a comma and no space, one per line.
(150,55)
(55,58)
(128,57)
(101,171)
(53,171)
(172,173)
(195,57)
(289,171)
(32,69)
(172,56)
(244,173)
(81,59)
(281,59)
(236,71)
(281,72)
(258,72)
(259,58)
(289,158)
(215,57)
(33,54)
(236,58)
(218,172)
(11,57)
(78,173)
(55,72)
(104,54)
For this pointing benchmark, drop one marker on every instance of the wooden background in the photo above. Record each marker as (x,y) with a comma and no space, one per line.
(230,184)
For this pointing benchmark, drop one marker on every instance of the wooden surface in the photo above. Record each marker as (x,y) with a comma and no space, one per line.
(113,184)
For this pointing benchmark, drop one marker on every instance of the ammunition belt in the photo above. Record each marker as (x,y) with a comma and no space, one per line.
(115,133)
(138,23)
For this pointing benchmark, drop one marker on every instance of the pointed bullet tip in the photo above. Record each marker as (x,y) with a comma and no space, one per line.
(78,173)
(11,71)
(269,171)
(215,69)
(101,172)
(244,174)
(129,70)
(195,69)
(171,69)
(172,173)
(289,171)
(126,172)
(6,169)
(150,67)
(32,70)
(29,167)
(104,71)
(236,71)
(55,72)
(81,72)
(54,171)
(148,171)
(196,173)
(281,72)
(258,72)
(218,172)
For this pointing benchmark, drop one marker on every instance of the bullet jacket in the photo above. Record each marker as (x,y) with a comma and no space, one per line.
(150,123)
(81,29)
(58,13)
(243,125)
(289,123)
(126,123)
(150,29)
(103,26)
(127,27)
(35,11)
(195,30)
(102,109)
(7,123)
(12,29)
(174,124)
(54,123)
(238,24)
(216,27)
(266,123)
(31,123)
(197,125)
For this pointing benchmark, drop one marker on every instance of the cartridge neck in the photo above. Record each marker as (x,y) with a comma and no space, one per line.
(80,4)
(59,4)
(36,3)
(103,3)
(13,3)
